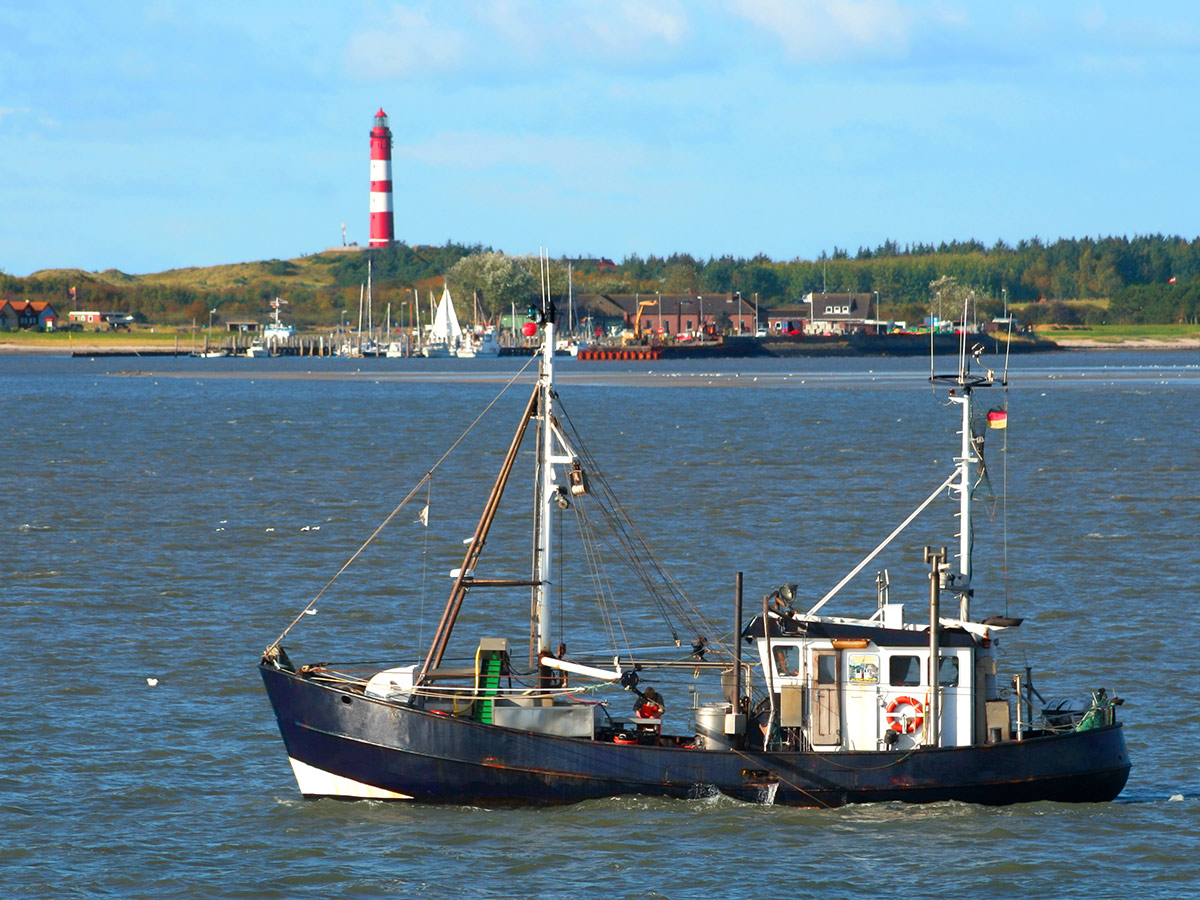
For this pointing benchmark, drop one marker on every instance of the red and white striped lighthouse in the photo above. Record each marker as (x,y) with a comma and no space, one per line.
(382,225)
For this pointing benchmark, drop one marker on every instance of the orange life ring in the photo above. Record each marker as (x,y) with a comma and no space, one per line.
(897,723)
(624,739)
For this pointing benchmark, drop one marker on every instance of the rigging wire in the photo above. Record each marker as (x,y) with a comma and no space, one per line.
(603,592)
(424,562)
(561,620)
(664,589)
(412,493)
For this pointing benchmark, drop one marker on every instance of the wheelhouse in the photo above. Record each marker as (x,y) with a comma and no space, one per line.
(867,684)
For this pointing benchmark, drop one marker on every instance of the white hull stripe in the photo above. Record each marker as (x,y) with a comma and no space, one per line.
(316,782)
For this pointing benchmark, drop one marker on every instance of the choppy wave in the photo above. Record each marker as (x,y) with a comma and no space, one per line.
(183,789)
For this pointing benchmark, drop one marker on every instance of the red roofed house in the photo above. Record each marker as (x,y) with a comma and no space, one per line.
(19,314)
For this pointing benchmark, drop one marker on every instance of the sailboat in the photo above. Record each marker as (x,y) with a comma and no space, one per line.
(792,706)
(479,341)
(445,334)
(483,344)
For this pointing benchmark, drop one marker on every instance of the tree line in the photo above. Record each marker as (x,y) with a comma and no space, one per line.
(1142,279)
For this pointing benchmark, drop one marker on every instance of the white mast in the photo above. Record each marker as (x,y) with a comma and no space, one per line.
(553,451)
(967,462)
(547,481)
(416,323)
(360,315)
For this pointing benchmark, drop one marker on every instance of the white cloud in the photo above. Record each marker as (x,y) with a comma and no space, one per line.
(404,41)
(1093,18)
(589,27)
(514,35)
(631,26)
(817,30)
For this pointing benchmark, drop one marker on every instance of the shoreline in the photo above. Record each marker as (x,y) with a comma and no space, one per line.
(162,348)
(1068,343)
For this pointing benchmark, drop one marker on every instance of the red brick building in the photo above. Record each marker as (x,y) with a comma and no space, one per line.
(673,315)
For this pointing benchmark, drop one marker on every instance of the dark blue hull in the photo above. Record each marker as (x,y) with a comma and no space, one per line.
(433,758)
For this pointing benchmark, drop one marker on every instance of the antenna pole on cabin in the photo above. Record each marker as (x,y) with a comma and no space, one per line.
(936,560)
(737,644)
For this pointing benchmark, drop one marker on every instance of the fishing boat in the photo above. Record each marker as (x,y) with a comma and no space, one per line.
(479,344)
(478,340)
(275,331)
(790,705)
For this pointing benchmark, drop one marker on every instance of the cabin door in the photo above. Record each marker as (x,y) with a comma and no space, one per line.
(826,694)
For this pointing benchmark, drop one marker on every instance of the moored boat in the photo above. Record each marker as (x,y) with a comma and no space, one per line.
(276,331)
(479,344)
(794,706)
(445,335)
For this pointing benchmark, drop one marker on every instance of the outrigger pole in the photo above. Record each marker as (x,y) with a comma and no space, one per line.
(466,574)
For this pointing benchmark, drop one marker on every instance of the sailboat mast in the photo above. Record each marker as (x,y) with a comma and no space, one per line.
(361,288)
(570,302)
(416,322)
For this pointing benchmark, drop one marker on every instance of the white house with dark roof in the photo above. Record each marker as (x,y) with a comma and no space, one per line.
(838,313)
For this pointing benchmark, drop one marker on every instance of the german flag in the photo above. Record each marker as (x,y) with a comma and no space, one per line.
(997,418)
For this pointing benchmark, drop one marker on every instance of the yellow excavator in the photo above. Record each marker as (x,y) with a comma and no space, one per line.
(635,336)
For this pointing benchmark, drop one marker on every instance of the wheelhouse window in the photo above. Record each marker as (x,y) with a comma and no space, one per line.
(787,660)
(905,671)
(948,671)
(826,668)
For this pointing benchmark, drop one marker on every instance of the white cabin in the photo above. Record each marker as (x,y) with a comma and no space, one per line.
(865,684)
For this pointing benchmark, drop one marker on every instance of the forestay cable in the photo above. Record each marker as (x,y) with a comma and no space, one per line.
(417,487)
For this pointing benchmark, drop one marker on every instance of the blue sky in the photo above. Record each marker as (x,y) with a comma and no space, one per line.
(155,135)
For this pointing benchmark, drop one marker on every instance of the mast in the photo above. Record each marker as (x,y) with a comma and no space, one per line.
(966,531)
(546,489)
(361,289)
(553,450)
(966,464)
(547,480)
(416,322)
(552,496)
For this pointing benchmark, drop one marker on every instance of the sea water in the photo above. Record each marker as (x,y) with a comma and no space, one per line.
(165,519)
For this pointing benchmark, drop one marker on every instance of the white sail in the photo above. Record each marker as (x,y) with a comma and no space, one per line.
(445,322)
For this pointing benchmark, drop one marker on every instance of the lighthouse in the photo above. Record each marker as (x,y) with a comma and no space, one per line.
(382,227)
